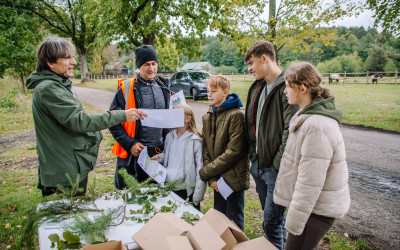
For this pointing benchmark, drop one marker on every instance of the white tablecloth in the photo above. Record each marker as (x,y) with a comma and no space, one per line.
(122,232)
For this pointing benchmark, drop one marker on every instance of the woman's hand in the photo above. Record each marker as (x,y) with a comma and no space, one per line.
(134,114)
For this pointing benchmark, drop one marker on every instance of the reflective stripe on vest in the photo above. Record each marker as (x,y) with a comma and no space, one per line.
(130,103)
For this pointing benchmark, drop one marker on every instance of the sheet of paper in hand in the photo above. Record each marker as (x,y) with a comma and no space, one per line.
(154,169)
(177,98)
(163,118)
(223,188)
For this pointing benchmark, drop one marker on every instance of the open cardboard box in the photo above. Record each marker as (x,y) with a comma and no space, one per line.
(214,231)
(111,245)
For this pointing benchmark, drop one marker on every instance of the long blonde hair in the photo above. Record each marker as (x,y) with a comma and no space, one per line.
(189,112)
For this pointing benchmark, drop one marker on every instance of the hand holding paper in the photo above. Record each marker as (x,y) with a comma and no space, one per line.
(224,189)
(164,118)
(154,169)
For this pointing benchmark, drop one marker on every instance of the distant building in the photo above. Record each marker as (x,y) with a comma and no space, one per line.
(199,66)
(116,68)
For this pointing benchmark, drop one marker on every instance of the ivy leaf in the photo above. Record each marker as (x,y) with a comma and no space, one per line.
(70,237)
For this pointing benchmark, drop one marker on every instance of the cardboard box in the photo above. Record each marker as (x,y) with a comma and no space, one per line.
(203,237)
(178,243)
(225,228)
(111,245)
(260,243)
(214,231)
(154,233)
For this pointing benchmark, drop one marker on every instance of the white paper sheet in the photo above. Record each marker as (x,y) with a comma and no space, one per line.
(177,98)
(154,169)
(163,118)
(223,188)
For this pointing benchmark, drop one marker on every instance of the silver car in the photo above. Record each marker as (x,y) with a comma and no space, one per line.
(192,83)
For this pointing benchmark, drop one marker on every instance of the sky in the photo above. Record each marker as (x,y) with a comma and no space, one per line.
(364,19)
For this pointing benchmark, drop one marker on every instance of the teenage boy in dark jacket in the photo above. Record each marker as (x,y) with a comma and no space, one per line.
(147,91)
(267,118)
(225,149)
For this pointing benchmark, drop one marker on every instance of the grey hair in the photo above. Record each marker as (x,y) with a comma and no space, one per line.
(51,49)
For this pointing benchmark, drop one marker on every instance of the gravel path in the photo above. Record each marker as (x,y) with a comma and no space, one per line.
(373,158)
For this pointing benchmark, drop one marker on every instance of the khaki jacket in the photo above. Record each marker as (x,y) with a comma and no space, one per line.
(225,148)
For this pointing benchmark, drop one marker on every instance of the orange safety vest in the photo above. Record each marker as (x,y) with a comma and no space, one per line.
(129,127)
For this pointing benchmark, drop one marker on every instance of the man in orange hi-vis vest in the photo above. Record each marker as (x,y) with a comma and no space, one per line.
(148,91)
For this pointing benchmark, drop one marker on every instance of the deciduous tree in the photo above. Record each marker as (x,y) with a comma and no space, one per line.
(134,23)
(296,23)
(387,14)
(19,36)
(75,19)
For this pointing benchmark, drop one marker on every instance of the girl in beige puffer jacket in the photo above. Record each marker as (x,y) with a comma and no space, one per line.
(313,178)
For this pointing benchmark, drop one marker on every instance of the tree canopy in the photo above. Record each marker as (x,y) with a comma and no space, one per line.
(296,23)
(134,23)
(19,36)
(74,19)
(387,14)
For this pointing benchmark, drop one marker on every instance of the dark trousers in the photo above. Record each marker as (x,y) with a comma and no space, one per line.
(46,191)
(315,229)
(232,207)
(183,194)
(274,214)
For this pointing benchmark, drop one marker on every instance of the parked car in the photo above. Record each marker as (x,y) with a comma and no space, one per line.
(191,83)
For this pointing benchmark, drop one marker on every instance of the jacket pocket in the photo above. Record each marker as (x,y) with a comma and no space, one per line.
(86,157)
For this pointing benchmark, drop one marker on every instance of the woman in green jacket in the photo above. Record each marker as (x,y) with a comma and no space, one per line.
(67,138)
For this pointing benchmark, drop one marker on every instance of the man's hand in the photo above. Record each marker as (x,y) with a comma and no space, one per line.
(136,149)
(214,185)
(155,158)
(134,114)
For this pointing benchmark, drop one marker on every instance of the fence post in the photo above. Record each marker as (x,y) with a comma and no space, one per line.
(344,78)
(367,77)
(395,77)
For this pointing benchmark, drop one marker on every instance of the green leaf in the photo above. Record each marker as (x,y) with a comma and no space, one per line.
(70,237)
(54,237)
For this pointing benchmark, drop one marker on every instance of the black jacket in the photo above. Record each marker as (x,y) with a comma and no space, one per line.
(274,125)
(118,132)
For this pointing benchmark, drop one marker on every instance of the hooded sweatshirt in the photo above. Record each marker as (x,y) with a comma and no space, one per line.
(225,149)
(67,138)
(313,177)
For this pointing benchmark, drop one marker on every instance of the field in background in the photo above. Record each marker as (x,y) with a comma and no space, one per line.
(362,104)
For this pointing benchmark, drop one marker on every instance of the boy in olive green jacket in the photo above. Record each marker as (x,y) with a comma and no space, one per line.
(225,149)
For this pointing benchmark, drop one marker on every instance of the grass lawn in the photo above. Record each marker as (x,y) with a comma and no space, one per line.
(367,105)
(18,169)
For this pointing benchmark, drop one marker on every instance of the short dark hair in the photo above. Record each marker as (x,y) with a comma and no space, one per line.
(51,49)
(260,48)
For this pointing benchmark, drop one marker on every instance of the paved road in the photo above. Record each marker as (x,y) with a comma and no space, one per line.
(374,168)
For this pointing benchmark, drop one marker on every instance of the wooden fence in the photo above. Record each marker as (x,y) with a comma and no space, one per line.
(344,78)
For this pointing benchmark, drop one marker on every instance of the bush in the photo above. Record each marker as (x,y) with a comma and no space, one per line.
(8,100)
(226,69)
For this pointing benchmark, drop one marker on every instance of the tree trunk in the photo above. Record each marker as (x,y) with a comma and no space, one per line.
(151,38)
(23,83)
(83,65)
(272,24)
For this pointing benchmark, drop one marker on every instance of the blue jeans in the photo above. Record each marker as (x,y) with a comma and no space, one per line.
(274,215)
(232,207)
